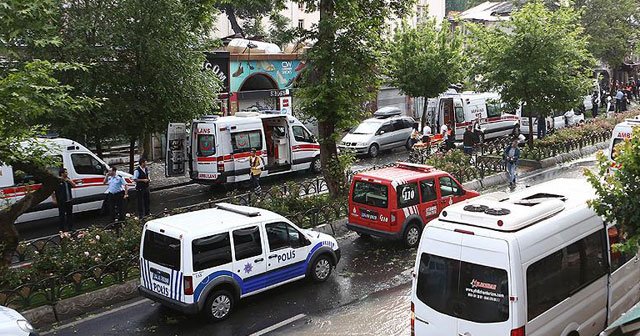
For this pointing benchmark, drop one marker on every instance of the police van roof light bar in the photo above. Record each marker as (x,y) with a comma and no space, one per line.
(231,208)
(415,166)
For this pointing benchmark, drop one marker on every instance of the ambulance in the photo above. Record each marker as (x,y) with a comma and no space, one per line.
(463,109)
(622,131)
(85,168)
(217,149)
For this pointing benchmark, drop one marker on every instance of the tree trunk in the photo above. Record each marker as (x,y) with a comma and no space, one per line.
(530,131)
(132,151)
(329,158)
(423,119)
(99,147)
(8,215)
(231,15)
(147,150)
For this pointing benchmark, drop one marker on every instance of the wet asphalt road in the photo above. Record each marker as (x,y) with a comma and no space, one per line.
(368,294)
(186,195)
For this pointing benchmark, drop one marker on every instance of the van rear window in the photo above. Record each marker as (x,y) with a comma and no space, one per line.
(206,145)
(372,194)
(162,250)
(464,290)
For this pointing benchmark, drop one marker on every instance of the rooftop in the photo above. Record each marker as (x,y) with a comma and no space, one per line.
(399,173)
(488,11)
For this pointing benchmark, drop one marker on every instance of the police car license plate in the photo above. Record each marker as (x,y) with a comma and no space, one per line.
(368,214)
(160,276)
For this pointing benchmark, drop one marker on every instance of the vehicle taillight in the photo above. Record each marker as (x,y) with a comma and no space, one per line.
(413,321)
(188,285)
(518,332)
(220,166)
(393,219)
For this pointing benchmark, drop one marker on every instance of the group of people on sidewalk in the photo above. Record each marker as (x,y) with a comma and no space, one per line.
(116,195)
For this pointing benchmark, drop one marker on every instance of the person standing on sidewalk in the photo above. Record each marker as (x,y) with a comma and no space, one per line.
(255,163)
(63,198)
(511,157)
(116,194)
(141,177)
(468,141)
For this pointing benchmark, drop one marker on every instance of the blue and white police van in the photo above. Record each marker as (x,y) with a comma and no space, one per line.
(206,260)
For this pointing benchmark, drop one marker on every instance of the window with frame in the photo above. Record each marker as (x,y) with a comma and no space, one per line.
(448,187)
(387,128)
(493,110)
(301,134)
(407,194)
(459,114)
(282,235)
(206,145)
(87,164)
(162,250)
(247,242)
(561,274)
(369,193)
(428,188)
(211,251)
(246,141)
(301,23)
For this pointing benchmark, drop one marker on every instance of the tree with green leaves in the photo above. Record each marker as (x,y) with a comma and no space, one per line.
(240,10)
(29,91)
(147,58)
(342,68)
(423,61)
(612,27)
(538,60)
(618,194)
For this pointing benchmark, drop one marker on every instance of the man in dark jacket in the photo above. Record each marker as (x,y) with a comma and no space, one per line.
(511,156)
(63,198)
(141,177)
(468,141)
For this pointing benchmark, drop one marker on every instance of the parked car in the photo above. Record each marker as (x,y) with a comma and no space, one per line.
(397,202)
(13,323)
(535,262)
(387,130)
(207,260)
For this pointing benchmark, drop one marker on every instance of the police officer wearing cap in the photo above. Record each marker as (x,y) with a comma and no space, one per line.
(141,177)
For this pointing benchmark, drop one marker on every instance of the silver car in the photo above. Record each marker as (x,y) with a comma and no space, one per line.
(376,134)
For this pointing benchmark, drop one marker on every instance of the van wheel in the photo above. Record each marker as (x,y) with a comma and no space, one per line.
(219,305)
(373,150)
(316,165)
(412,235)
(321,268)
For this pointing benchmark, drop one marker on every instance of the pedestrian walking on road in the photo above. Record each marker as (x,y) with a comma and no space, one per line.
(63,198)
(619,97)
(511,157)
(141,177)
(468,141)
(116,194)
(255,162)
(595,101)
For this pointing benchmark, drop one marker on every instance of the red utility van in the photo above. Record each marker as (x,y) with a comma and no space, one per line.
(396,202)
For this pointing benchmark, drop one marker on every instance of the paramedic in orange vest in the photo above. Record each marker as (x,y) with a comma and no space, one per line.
(255,163)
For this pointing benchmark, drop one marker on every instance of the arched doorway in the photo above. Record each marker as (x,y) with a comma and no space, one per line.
(255,93)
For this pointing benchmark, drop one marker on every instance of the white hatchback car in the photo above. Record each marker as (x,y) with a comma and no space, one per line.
(14,324)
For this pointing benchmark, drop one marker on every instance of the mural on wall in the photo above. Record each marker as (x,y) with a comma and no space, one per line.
(282,72)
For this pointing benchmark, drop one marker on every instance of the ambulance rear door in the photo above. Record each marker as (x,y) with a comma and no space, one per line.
(176,158)
(205,151)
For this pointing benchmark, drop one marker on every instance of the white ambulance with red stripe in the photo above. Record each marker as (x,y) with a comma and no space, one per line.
(217,149)
(621,132)
(84,167)
(464,109)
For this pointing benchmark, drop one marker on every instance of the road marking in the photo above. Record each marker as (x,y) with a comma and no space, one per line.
(93,317)
(278,325)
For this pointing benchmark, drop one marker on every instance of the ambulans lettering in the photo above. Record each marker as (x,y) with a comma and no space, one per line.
(287,256)
(624,135)
(204,130)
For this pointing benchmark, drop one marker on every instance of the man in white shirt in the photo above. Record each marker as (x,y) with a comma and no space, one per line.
(426,130)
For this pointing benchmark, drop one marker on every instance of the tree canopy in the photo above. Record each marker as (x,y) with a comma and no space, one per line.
(424,60)
(539,58)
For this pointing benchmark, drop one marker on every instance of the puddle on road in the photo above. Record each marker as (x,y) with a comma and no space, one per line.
(384,314)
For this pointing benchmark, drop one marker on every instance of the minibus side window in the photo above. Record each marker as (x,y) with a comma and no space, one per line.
(428,190)
(448,187)
(247,242)
(561,274)
(282,235)
(211,251)
(246,141)
(301,134)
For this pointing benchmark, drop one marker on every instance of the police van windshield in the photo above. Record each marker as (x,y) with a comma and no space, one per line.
(372,194)
(365,128)
(464,290)
(161,249)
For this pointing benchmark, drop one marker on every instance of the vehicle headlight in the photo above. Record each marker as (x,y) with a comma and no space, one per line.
(24,326)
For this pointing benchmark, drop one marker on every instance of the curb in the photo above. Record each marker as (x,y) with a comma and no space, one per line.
(45,316)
